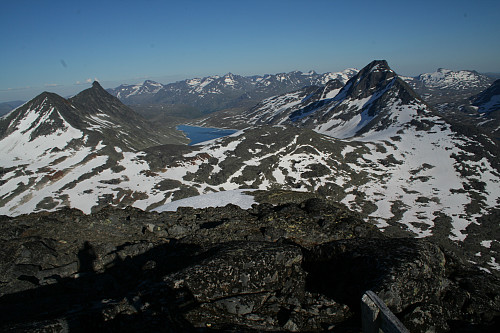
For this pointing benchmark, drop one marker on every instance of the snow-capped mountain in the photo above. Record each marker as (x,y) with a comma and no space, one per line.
(447,86)
(371,144)
(387,103)
(219,92)
(376,100)
(94,114)
(270,85)
(125,91)
(39,127)
(368,101)
(278,109)
(51,142)
(458,80)
(450,92)
(414,151)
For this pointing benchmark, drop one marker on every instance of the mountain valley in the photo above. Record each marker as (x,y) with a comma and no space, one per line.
(412,160)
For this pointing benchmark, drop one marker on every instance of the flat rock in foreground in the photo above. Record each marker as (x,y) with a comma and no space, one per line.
(291,267)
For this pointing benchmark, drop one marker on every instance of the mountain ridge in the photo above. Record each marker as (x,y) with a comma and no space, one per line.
(214,93)
(94,112)
(358,104)
(372,145)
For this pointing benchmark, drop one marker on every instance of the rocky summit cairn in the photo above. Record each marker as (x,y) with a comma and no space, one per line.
(296,266)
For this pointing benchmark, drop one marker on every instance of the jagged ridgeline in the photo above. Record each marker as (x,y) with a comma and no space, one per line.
(369,143)
(216,93)
(90,117)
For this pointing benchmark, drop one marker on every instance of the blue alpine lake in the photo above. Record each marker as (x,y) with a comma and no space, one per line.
(200,134)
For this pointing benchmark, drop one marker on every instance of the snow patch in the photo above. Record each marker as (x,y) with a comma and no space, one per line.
(238,197)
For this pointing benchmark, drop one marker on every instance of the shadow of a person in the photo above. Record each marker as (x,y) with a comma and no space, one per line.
(86,258)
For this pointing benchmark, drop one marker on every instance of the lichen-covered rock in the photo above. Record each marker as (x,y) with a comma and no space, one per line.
(294,266)
(242,283)
(415,279)
(402,271)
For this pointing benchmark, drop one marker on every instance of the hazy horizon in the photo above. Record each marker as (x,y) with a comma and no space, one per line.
(63,46)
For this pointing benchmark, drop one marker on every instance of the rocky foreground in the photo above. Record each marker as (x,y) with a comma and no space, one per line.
(301,265)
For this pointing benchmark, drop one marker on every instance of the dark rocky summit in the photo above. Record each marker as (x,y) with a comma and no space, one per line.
(296,266)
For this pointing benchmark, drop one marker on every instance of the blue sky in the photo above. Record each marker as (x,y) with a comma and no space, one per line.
(60,45)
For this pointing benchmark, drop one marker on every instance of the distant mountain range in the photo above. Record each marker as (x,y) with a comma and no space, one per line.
(443,79)
(218,92)
(6,107)
(445,90)
(215,93)
(194,97)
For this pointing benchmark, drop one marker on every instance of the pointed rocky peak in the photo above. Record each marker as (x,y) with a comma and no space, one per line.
(93,98)
(376,99)
(376,70)
(45,95)
(43,103)
(232,80)
(97,85)
(96,89)
(373,77)
(44,115)
(47,99)
(148,87)
(230,77)
(377,64)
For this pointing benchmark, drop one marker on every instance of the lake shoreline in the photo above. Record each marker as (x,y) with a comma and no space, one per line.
(199,134)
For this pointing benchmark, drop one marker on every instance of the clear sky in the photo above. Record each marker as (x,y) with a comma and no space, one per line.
(60,45)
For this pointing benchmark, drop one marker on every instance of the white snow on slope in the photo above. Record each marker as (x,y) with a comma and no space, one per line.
(406,184)
(330,94)
(445,78)
(341,129)
(239,198)
(19,147)
(274,106)
(343,76)
(147,87)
